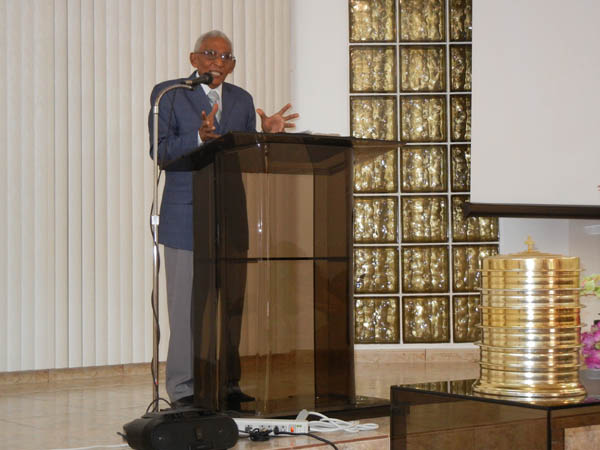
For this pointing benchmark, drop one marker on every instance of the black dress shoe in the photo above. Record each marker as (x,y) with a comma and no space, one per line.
(183,402)
(235,394)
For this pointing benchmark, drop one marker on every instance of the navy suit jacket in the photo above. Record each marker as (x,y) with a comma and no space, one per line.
(180,117)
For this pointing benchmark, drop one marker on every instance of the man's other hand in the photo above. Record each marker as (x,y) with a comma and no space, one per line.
(207,130)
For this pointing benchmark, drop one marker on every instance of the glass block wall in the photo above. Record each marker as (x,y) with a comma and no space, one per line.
(416,258)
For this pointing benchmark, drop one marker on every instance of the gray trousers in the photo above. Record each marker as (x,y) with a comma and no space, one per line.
(179,270)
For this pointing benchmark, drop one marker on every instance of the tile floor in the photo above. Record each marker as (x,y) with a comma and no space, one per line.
(68,413)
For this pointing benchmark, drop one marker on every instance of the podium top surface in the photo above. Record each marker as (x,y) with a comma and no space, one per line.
(320,147)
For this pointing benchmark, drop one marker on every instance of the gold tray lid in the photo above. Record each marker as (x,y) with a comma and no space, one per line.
(531,260)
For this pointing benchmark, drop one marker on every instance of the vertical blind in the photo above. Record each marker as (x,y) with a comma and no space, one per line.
(76,179)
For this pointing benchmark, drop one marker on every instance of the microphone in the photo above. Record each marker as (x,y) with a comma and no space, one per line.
(204,78)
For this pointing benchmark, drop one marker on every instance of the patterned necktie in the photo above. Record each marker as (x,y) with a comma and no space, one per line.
(213,96)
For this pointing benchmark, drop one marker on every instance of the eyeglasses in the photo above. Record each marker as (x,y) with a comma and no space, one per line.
(211,55)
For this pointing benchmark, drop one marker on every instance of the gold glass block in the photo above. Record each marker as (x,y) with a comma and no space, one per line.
(460,67)
(375,270)
(466,261)
(376,320)
(473,229)
(425,269)
(423,69)
(372,20)
(460,157)
(375,174)
(460,117)
(422,20)
(424,169)
(466,318)
(373,117)
(372,69)
(375,220)
(461,20)
(424,219)
(425,319)
(423,118)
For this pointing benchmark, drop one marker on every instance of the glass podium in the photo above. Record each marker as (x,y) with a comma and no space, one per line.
(273,308)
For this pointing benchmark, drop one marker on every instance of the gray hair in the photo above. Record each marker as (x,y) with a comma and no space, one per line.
(210,35)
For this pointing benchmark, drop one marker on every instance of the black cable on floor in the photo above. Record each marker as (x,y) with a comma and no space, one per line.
(314,436)
(156,401)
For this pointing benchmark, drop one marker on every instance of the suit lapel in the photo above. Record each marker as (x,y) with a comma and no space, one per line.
(229,101)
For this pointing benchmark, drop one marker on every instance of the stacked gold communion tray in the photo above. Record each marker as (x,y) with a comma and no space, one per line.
(530,321)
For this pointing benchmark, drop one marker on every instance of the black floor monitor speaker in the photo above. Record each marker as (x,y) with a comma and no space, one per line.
(181,429)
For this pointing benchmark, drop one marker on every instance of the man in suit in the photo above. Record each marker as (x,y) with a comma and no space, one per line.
(187,119)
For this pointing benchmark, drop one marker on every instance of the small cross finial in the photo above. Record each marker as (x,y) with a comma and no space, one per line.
(530,244)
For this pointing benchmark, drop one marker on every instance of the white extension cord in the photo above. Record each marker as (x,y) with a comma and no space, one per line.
(327,425)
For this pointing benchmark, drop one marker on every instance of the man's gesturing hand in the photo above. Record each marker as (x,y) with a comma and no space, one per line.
(277,123)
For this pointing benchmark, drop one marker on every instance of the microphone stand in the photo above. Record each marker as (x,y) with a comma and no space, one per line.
(205,78)
(155,221)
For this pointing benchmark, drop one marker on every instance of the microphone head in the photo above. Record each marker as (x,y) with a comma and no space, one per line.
(203,78)
(207,78)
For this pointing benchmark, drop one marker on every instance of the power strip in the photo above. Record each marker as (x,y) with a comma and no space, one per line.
(289,426)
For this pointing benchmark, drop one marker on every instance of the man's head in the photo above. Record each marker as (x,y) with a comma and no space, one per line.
(213,53)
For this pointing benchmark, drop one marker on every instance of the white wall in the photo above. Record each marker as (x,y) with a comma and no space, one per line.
(535,102)
(549,235)
(319,61)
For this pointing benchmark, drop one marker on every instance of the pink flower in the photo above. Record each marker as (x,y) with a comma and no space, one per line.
(591,346)
(593,360)
(588,340)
